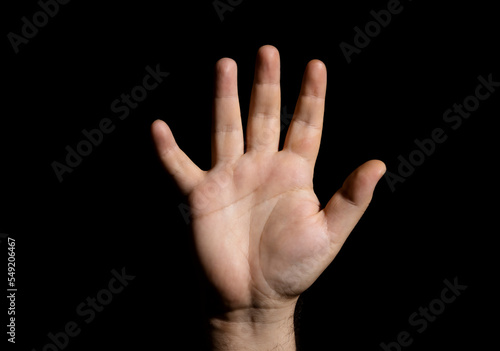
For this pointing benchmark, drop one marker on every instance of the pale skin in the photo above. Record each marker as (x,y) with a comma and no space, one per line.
(261,235)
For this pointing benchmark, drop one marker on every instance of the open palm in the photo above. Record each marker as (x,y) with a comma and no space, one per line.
(259,230)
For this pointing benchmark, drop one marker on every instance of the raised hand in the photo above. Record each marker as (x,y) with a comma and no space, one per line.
(261,235)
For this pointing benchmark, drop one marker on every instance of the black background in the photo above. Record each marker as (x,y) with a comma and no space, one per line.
(118,208)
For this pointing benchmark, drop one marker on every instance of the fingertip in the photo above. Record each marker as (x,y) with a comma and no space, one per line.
(314,80)
(162,136)
(317,65)
(267,64)
(358,188)
(378,167)
(159,127)
(225,65)
(226,84)
(156,123)
(316,70)
(269,51)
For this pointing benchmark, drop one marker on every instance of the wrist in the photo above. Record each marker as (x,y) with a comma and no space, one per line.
(254,329)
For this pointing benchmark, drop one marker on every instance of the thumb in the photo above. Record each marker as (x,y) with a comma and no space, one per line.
(348,204)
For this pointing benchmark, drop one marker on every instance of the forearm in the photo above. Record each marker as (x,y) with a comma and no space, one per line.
(255,329)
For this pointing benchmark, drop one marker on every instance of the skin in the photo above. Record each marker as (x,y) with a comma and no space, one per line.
(261,235)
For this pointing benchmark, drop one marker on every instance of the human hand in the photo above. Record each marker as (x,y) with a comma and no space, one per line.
(259,230)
